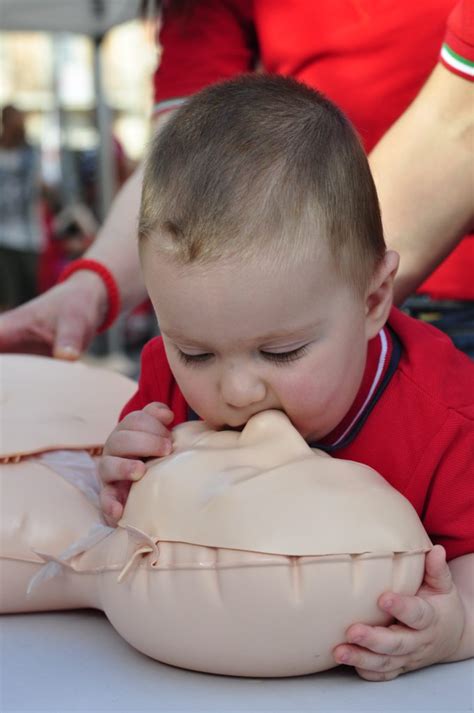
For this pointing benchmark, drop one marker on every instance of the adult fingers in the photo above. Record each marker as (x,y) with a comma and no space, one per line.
(22,331)
(72,336)
(75,324)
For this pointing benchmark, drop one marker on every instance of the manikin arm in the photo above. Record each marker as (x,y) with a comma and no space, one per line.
(423,170)
(116,242)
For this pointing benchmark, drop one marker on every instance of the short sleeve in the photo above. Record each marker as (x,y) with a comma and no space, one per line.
(449,508)
(157,383)
(457,52)
(147,388)
(212,40)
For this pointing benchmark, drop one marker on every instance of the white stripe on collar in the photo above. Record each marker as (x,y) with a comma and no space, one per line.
(375,383)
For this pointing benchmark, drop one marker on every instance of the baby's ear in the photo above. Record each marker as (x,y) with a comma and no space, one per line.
(379,296)
(275,429)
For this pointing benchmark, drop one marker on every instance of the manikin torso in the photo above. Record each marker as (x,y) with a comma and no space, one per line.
(241,553)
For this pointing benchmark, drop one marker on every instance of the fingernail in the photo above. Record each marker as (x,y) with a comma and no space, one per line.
(344,658)
(136,474)
(387,604)
(67,352)
(356,639)
(167,447)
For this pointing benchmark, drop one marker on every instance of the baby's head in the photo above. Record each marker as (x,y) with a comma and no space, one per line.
(263,253)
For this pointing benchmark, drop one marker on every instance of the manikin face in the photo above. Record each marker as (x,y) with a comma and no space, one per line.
(242,337)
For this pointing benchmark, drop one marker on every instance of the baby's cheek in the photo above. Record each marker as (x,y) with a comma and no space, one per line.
(200,396)
(309,405)
(304,395)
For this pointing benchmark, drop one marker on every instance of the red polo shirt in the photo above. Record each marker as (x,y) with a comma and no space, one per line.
(412,421)
(370,58)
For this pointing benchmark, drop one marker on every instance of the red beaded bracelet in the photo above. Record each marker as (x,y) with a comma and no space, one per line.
(113,294)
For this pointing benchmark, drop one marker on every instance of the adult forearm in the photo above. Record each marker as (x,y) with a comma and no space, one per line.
(462,570)
(424,176)
(116,243)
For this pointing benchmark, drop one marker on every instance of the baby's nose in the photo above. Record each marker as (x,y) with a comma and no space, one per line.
(241,388)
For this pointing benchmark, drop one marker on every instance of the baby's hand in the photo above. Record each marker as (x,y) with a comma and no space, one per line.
(428,629)
(141,434)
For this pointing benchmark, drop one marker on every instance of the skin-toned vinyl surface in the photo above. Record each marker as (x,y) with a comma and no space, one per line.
(266,490)
(241,553)
(48,403)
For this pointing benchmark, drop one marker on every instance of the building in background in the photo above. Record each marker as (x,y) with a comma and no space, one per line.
(51,79)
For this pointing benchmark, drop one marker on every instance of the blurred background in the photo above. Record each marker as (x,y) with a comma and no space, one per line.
(75,108)
(74,123)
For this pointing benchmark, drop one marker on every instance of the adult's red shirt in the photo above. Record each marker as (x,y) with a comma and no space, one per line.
(412,421)
(455,277)
(370,57)
(457,53)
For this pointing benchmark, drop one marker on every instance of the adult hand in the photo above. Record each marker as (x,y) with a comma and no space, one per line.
(59,323)
(428,630)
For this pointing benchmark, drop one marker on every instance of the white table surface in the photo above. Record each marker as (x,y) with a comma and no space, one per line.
(75,661)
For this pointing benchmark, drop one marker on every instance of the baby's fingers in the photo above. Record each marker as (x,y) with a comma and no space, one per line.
(125,443)
(394,640)
(113,469)
(112,500)
(117,475)
(110,505)
(160,411)
(144,421)
(413,611)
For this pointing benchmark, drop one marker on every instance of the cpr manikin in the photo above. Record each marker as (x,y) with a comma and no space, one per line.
(241,553)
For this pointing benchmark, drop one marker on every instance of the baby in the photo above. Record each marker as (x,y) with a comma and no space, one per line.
(263,253)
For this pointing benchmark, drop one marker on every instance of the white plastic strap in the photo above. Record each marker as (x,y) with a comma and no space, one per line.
(54,565)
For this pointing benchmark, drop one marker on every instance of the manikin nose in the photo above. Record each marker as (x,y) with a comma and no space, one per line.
(241,388)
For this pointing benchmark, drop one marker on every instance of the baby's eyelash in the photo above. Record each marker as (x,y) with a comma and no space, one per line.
(193,359)
(279,358)
(285,357)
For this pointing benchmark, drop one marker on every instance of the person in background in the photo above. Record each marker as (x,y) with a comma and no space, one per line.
(21,231)
(371,62)
(424,171)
